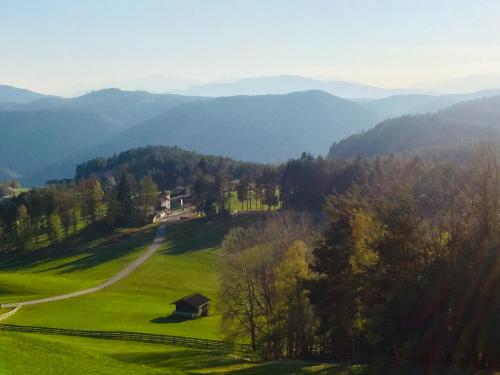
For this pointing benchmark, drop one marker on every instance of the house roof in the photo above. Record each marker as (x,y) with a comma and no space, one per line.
(195,300)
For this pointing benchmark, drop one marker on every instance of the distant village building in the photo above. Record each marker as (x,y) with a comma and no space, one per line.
(163,208)
(165,200)
(192,306)
(170,200)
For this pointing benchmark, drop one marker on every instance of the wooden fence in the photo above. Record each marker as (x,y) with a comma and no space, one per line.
(190,342)
(386,362)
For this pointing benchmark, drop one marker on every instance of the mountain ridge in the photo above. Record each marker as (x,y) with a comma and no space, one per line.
(460,124)
(11,94)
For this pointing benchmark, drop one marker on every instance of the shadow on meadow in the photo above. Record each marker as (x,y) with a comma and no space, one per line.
(214,362)
(179,358)
(203,233)
(169,319)
(95,245)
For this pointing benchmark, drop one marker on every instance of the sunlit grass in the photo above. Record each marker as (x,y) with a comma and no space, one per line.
(88,260)
(39,354)
(185,264)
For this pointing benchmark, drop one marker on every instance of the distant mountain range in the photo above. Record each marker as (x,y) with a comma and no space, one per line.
(121,109)
(461,124)
(9,94)
(263,128)
(399,105)
(45,137)
(288,83)
(268,128)
(33,140)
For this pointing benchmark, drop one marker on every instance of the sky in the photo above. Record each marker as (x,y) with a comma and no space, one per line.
(60,46)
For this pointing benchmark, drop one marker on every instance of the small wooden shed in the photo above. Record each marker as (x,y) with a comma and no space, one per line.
(193,306)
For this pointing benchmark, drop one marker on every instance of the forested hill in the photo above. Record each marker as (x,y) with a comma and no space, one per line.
(121,109)
(33,140)
(168,166)
(254,128)
(47,137)
(463,123)
(400,105)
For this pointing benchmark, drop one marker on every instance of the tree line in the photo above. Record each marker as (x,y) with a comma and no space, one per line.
(406,264)
(124,191)
(50,215)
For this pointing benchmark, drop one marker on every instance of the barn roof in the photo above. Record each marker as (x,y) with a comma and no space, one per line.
(195,300)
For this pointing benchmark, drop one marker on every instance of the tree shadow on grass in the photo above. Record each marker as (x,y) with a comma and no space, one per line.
(204,233)
(178,358)
(96,246)
(207,361)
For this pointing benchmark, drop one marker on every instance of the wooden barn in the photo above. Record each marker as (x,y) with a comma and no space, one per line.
(192,306)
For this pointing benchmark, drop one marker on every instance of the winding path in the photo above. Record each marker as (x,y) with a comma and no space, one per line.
(159,238)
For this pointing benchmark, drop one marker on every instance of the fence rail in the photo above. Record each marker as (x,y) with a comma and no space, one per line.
(190,342)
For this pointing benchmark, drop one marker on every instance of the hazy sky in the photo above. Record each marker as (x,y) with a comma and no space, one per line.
(60,46)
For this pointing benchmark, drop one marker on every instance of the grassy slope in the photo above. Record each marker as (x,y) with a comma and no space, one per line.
(38,354)
(186,263)
(87,260)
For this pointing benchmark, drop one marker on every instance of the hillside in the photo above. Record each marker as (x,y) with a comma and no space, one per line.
(462,123)
(253,128)
(121,109)
(10,94)
(265,128)
(168,166)
(400,105)
(33,140)
(57,133)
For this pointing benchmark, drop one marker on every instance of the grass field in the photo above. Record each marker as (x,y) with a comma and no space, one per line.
(88,259)
(39,354)
(186,263)
(254,205)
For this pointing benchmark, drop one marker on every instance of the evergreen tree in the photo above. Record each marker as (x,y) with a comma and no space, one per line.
(148,197)
(24,231)
(125,197)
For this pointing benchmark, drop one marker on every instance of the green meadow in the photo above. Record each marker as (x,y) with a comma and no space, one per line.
(39,354)
(254,204)
(186,263)
(85,261)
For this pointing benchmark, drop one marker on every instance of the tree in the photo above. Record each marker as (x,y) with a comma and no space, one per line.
(92,195)
(24,232)
(242,189)
(263,270)
(3,229)
(205,195)
(54,229)
(125,198)
(148,197)
(67,204)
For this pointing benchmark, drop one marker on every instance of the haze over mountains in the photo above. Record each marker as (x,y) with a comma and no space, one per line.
(458,125)
(288,83)
(264,128)
(10,94)
(46,137)
(120,108)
